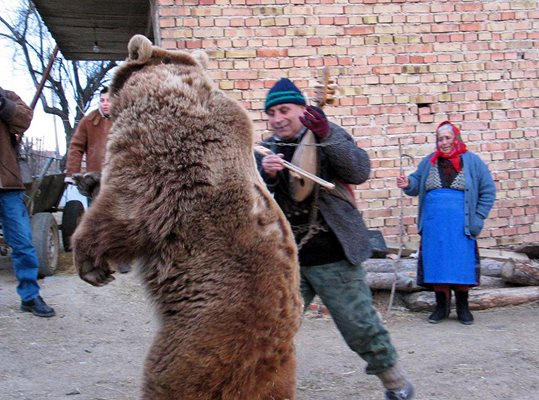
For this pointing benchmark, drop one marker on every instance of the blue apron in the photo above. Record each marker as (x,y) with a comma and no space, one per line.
(448,255)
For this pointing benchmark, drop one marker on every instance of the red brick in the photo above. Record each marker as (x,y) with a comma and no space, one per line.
(272,53)
(174,11)
(167,22)
(359,30)
(193,44)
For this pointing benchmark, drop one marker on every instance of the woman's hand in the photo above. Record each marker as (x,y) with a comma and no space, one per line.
(402,182)
(273,164)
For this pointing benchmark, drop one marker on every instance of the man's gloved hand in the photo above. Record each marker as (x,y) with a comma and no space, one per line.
(315,120)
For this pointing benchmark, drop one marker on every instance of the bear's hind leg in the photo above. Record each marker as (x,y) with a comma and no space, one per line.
(283,386)
(274,379)
(172,369)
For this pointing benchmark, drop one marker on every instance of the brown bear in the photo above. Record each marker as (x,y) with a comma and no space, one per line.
(181,198)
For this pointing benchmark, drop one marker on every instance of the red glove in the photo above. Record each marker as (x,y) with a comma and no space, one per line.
(315,120)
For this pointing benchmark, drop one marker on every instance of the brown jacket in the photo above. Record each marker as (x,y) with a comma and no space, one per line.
(90,138)
(15,119)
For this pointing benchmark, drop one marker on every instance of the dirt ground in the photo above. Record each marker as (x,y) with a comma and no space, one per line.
(94,348)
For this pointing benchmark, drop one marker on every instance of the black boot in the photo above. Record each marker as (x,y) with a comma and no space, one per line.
(38,307)
(463,312)
(442,310)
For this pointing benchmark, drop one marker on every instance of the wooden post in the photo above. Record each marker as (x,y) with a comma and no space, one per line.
(44,78)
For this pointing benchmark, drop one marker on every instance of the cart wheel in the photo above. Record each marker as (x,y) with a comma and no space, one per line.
(46,241)
(71,216)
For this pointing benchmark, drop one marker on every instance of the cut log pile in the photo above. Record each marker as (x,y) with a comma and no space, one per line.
(521,272)
(506,279)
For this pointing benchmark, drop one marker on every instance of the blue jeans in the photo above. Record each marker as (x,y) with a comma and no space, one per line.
(18,235)
(342,288)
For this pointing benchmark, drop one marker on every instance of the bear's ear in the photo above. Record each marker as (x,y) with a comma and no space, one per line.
(201,57)
(140,49)
(141,53)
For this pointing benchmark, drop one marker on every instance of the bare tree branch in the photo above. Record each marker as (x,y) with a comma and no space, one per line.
(71,85)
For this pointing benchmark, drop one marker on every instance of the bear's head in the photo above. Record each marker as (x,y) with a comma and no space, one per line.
(144,58)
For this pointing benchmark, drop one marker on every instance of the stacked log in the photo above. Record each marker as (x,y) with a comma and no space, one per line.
(406,281)
(503,282)
(521,272)
(381,274)
(479,299)
(490,267)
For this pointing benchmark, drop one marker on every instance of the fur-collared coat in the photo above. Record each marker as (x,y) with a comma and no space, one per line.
(181,196)
(90,138)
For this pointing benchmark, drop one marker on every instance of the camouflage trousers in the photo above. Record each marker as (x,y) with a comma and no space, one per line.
(342,288)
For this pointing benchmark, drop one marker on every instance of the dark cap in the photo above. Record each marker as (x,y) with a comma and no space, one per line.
(284,91)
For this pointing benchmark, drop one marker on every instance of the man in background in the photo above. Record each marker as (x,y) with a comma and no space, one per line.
(90,139)
(15,119)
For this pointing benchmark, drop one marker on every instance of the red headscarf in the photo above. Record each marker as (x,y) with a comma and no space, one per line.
(458,148)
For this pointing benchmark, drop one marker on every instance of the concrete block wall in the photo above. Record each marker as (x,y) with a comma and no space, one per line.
(402,67)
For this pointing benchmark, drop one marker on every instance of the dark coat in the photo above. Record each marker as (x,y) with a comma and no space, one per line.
(15,119)
(340,159)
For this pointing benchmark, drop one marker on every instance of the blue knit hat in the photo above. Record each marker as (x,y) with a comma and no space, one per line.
(284,91)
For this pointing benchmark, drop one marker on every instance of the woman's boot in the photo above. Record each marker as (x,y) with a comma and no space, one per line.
(443,304)
(463,312)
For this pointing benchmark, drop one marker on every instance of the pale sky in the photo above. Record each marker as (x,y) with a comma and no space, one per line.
(15,77)
(17,80)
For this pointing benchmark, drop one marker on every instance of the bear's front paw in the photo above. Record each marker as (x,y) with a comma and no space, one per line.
(95,275)
(88,183)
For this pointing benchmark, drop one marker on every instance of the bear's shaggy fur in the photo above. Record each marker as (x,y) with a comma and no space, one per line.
(181,196)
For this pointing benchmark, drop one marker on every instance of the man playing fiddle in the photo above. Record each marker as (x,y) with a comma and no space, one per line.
(330,232)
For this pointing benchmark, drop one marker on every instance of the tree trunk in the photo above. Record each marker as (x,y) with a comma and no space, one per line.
(384,280)
(479,299)
(387,265)
(521,272)
(491,267)
(491,282)
(407,281)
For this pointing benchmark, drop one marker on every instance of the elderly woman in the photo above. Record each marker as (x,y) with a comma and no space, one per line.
(456,193)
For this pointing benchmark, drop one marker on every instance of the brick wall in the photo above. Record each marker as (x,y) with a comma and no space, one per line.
(402,66)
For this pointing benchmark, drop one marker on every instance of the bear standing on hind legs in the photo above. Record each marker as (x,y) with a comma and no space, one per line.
(181,196)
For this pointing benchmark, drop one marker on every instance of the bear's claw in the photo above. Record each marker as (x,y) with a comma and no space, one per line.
(95,276)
